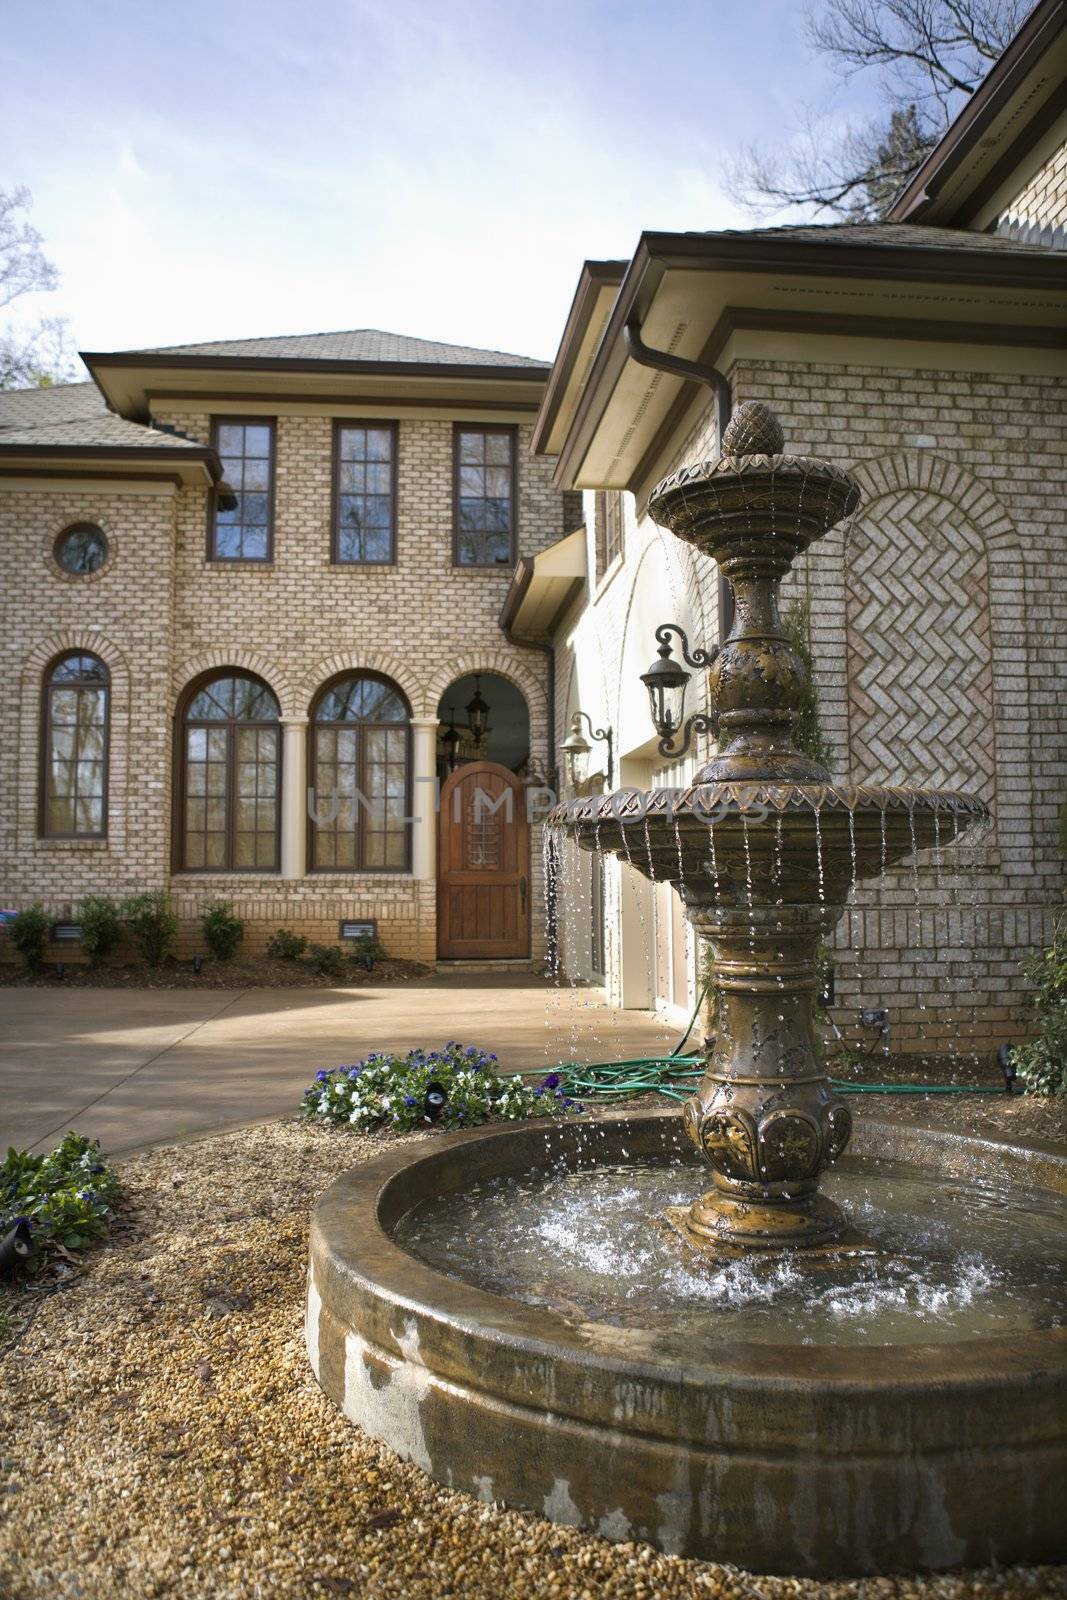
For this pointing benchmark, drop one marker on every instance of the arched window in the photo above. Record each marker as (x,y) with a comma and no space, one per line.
(358,768)
(231,754)
(74,748)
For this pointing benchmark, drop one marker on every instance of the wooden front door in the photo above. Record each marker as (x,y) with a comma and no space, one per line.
(483,864)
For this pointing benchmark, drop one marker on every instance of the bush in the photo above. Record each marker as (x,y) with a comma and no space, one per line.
(223,931)
(30,933)
(327,959)
(101,923)
(367,949)
(807,729)
(285,945)
(152,923)
(390,1091)
(1042,1064)
(65,1197)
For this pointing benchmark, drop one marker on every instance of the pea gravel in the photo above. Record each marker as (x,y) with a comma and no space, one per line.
(162,1434)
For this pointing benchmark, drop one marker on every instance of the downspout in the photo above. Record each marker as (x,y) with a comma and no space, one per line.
(711,378)
(549,653)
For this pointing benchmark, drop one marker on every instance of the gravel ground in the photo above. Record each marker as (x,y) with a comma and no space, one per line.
(163,1435)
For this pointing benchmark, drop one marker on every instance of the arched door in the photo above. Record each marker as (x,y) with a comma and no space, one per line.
(483,865)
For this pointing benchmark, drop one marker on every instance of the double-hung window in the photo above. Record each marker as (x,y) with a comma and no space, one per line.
(364,493)
(243,531)
(484,496)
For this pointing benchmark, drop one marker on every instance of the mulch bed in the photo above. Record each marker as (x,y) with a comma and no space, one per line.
(163,1434)
(243,972)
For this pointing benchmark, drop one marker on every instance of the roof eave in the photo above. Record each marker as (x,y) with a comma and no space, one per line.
(986,103)
(658,253)
(151,456)
(594,277)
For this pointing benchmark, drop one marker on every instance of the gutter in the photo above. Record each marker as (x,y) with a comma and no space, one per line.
(712,378)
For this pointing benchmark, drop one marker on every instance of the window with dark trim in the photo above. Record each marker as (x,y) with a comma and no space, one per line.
(485,494)
(359,766)
(228,800)
(74,741)
(244,532)
(610,528)
(364,492)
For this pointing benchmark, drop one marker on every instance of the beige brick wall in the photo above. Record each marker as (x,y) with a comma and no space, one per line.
(162,613)
(1041,202)
(962,530)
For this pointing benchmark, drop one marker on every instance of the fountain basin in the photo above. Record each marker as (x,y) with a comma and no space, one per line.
(812,1459)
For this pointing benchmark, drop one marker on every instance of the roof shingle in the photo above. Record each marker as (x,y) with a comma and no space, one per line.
(355,344)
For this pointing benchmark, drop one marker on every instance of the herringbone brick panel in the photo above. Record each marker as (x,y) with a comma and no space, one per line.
(919,655)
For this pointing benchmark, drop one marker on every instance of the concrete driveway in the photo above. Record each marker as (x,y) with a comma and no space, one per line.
(141,1067)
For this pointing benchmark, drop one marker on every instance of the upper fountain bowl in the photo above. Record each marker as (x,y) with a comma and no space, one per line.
(753,500)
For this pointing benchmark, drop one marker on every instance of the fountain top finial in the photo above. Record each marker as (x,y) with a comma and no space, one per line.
(753,430)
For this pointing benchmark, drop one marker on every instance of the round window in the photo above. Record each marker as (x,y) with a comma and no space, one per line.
(81,549)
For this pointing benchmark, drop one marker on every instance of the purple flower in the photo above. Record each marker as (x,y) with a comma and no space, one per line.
(551,1082)
(321,1077)
(409,1100)
(538,1093)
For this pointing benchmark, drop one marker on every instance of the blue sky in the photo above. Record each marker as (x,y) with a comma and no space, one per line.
(223,170)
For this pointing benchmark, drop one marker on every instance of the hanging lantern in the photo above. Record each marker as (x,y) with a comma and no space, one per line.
(575,750)
(478,712)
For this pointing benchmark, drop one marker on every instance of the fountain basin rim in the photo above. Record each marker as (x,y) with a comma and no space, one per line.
(362,1251)
(701,798)
(725,467)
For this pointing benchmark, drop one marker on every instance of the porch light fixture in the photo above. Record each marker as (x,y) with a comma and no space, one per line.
(667,681)
(477,710)
(576,749)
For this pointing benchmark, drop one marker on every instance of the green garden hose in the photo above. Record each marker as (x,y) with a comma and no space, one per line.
(677,1076)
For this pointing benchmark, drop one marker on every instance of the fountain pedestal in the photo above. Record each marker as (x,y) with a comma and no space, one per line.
(763,850)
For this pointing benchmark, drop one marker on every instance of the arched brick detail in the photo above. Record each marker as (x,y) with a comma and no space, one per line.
(498,661)
(285,689)
(381,661)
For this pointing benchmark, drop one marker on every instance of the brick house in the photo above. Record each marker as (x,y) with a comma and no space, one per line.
(248,591)
(928,355)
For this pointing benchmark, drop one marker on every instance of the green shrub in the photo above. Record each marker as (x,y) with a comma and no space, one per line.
(223,931)
(65,1196)
(327,959)
(30,933)
(284,945)
(367,949)
(807,729)
(1042,1064)
(390,1091)
(152,923)
(101,923)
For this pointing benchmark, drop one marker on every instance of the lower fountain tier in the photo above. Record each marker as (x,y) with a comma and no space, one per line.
(767,843)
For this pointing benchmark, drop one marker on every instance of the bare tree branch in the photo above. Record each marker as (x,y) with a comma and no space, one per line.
(926,54)
(24,268)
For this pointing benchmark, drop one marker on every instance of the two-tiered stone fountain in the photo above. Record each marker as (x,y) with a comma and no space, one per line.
(558,1318)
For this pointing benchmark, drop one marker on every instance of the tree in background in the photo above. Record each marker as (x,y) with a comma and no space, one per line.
(928,55)
(40,355)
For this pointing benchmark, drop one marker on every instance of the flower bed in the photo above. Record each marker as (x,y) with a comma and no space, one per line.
(457,1087)
(61,1201)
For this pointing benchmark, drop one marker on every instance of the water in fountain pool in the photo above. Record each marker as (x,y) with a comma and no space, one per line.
(956,1259)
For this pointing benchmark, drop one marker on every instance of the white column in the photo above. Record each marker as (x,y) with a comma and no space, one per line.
(424,798)
(294,797)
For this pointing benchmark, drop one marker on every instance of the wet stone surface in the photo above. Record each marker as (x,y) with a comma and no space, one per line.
(154,1448)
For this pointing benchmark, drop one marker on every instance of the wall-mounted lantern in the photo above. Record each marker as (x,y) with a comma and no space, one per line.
(576,750)
(667,681)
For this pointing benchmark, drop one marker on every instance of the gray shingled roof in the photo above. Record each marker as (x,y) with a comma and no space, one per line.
(76,415)
(905,235)
(356,344)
